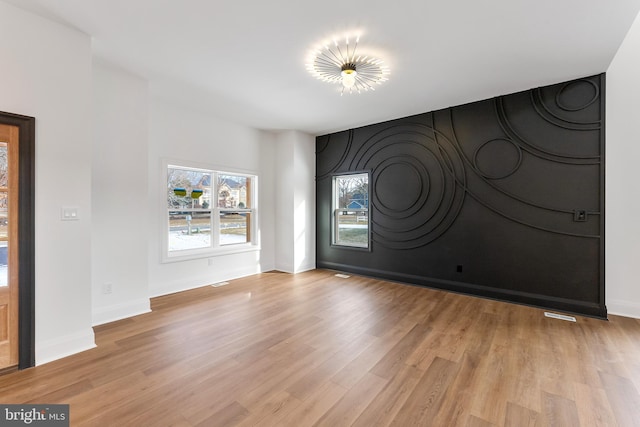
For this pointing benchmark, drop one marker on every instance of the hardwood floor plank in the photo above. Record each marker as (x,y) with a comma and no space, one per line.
(302,388)
(256,350)
(291,368)
(270,410)
(427,397)
(231,414)
(559,411)
(225,387)
(350,406)
(277,349)
(386,405)
(103,397)
(633,367)
(358,367)
(315,406)
(474,421)
(594,408)
(523,368)
(460,395)
(522,417)
(394,360)
(65,393)
(494,384)
(623,398)
(141,416)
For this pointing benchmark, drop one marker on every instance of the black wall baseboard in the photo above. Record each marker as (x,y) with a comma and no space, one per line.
(534,300)
(501,198)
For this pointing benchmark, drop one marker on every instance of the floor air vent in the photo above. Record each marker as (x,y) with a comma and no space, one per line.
(559,316)
(342,276)
(217,285)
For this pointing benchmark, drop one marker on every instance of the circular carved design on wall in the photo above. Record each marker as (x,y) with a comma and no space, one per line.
(418,185)
(333,146)
(400,198)
(573,96)
(497,158)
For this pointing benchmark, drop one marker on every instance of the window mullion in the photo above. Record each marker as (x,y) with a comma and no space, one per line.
(215,211)
(215,227)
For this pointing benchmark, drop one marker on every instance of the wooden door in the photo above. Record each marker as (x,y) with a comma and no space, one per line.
(9,149)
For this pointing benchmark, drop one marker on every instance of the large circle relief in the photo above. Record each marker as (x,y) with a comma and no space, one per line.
(416,185)
(497,158)
(331,152)
(577,95)
(400,183)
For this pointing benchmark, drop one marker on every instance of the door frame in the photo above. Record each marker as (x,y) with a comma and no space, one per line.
(26,236)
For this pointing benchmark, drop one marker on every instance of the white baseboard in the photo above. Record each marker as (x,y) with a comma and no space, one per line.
(268,267)
(115,312)
(54,349)
(285,268)
(185,285)
(623,308)
(179,286)
(304,268)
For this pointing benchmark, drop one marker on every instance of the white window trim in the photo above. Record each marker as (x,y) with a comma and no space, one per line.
(215,249)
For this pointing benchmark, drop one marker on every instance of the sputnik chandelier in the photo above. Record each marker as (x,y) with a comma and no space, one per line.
(341,63)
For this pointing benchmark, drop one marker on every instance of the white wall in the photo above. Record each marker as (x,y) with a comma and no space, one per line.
(284,182)
(46,73)
(304,202)
(120,203)
(622,182)
(295,202)
(180,134)
(267,196)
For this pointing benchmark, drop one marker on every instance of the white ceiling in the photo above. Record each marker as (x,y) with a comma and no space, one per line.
(245,60)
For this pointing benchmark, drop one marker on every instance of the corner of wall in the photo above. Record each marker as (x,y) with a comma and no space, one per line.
(623,308)
(295,202)
(102,315)
(50,350)
(118,241)
(306,267)
(622,134)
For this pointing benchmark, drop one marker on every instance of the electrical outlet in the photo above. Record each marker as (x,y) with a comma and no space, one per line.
(107,288)
(459,268)
(580,215)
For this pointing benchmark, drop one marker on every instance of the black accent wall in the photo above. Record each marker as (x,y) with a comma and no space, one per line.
(502,198)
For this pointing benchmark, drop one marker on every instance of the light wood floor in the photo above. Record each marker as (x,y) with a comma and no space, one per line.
(312,349)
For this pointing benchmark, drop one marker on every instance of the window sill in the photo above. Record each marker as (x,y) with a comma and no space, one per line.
(209,253)
(352,248)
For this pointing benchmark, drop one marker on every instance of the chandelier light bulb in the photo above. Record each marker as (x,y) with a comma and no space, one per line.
(348,78)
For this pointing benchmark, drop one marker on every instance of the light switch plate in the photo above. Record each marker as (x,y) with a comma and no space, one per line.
(69,214)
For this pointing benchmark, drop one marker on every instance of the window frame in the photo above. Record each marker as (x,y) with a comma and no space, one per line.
(215,248)
(335,210)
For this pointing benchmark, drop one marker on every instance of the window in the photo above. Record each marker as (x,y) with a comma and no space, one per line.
(234,202)
(351,210)
(209,212)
